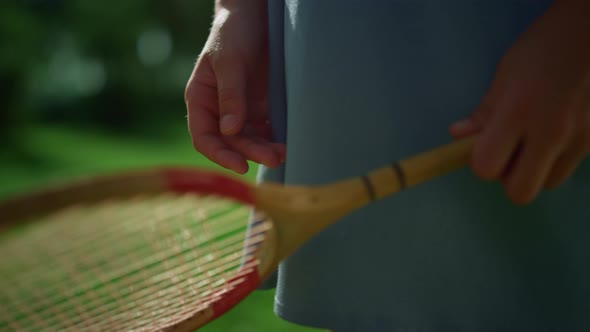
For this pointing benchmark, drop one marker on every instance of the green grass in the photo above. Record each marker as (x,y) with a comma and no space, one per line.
(58,154)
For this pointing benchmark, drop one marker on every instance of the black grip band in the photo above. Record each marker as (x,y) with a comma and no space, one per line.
(401,176)
(369,186)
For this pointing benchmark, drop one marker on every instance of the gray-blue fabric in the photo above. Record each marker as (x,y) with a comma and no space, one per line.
(356,85)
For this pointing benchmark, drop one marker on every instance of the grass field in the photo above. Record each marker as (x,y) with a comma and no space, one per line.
(56,154)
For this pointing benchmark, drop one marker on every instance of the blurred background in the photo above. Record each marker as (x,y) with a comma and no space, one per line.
(88,87)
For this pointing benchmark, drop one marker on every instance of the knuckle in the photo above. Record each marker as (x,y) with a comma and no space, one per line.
(219,56)
(483,168)
(519,196)
(229,98)
(214,57)
(189,89)
(484,171)
(520,114)
(228,94)
(561,127)
(481,114)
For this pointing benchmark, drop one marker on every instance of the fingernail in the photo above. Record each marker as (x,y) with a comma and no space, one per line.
(463,125)
(228,123)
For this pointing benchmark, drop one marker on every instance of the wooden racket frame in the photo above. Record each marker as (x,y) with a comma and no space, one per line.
(297,213)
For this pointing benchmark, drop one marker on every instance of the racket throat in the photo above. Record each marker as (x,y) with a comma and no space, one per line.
(301,213)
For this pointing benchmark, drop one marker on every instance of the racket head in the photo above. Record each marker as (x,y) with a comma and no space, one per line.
(167,249)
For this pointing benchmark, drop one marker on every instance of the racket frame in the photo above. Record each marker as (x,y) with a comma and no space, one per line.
(178,180)
(296,213)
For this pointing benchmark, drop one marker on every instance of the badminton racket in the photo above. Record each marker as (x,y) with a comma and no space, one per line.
(169,249)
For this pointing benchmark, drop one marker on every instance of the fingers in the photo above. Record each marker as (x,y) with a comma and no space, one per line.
(202,105)
(280,150)
(529,149)
(471,125)
(262,130)
(231,152)
(545,139)
(232,96)
(564,167)
(477,120)
(257,150)
(212,147)
(203,127)
(496,145)
(227,92)
(578,147)
(539,98)
(569,160)
(531,167)
(216,106)
(518,144)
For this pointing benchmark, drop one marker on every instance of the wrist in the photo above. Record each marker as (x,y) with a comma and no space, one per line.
(232,5)
(580,8)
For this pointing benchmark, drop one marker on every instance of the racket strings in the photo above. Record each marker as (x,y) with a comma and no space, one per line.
(124,265)
(120,262)
(227,255)
(84,236)
(159,307)
(88,248)
(174,277)
(98,257)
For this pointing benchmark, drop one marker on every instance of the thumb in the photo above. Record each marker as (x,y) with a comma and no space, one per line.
(475,122)
(231,94)
(470,125)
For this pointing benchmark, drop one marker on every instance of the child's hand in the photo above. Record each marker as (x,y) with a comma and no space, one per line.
(226,95)
(534,123)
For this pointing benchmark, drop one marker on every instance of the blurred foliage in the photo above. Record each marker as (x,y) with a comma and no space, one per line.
(118,65)
(90,86)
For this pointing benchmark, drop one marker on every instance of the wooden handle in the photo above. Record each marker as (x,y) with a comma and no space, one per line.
(299,213)
(420,168)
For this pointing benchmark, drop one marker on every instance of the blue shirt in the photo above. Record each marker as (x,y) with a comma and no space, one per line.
(356,85)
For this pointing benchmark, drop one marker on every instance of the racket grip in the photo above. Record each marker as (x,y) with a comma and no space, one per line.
(420,168)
